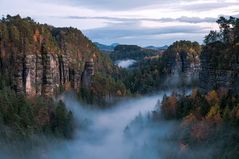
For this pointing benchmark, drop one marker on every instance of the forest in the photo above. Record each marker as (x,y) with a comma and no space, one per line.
(209,119)
(206,118)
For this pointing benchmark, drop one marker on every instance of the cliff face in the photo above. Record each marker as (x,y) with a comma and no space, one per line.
(212,76)
(220,57)
(40,60)
(43,74)
(87,74)
(185,65)
(183,57)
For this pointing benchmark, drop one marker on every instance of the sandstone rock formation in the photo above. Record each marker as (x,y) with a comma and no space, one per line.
(38,59)
(87,74)
(44,74)
(211,77)
(183,57)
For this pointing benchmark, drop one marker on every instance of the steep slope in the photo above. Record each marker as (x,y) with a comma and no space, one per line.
(181,58)
(184,55)
(220,57)
(39,59)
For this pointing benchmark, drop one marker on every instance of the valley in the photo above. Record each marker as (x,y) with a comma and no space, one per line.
(61,96)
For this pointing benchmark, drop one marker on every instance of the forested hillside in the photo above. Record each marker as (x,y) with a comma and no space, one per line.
(209,119)
(206,122)
(149,75)
(124,52)
(38,59)
(220,57)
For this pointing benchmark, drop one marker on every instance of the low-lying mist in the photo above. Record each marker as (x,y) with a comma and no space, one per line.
(104,134)
(125,63)
(124,131)
(99,134)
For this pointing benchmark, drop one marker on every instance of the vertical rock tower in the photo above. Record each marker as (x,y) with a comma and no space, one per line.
(41,60)
(87,74)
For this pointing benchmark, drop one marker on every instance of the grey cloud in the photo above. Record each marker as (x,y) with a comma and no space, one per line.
(115,4)
(131,32)
(120,33)
(181,19)
(206,6)
(134,4)
(227,16)
(196,19)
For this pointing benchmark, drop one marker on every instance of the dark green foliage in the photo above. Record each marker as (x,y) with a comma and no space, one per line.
(24,117)
(103,90)
(122,52)
(221,49)
(201,103)
(149,75)
(228,34)
(184,107)
(62,123)
(86,95)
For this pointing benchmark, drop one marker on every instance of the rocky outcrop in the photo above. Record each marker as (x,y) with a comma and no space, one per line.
(44,74)
(87,74)
(182,57)
(182,61)
(211,77)
(40,60)
(182,64)
(220,57)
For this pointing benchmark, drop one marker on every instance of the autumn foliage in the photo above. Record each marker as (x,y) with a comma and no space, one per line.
(206,119)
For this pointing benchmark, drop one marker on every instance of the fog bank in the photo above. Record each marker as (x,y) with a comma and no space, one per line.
(125,63)
(121,132)
(104,135)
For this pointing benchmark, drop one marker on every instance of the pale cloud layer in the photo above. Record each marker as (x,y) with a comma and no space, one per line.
(142,22)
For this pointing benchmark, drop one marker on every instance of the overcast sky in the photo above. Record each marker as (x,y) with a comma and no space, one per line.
(142,22)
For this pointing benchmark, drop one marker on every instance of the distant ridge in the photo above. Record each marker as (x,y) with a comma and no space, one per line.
(106,48)
(110,48)
(165,47)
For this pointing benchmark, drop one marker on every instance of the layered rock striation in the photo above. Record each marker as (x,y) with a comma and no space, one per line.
(38,59)
(45,74)
(220,57)
(212,77)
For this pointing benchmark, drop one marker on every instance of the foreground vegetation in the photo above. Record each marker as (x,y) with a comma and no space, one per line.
(22,117)
(208,121)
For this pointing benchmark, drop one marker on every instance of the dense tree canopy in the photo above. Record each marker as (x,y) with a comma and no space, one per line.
(149,75)
(221,48)
(123,52)
(25,117)
(207,121)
